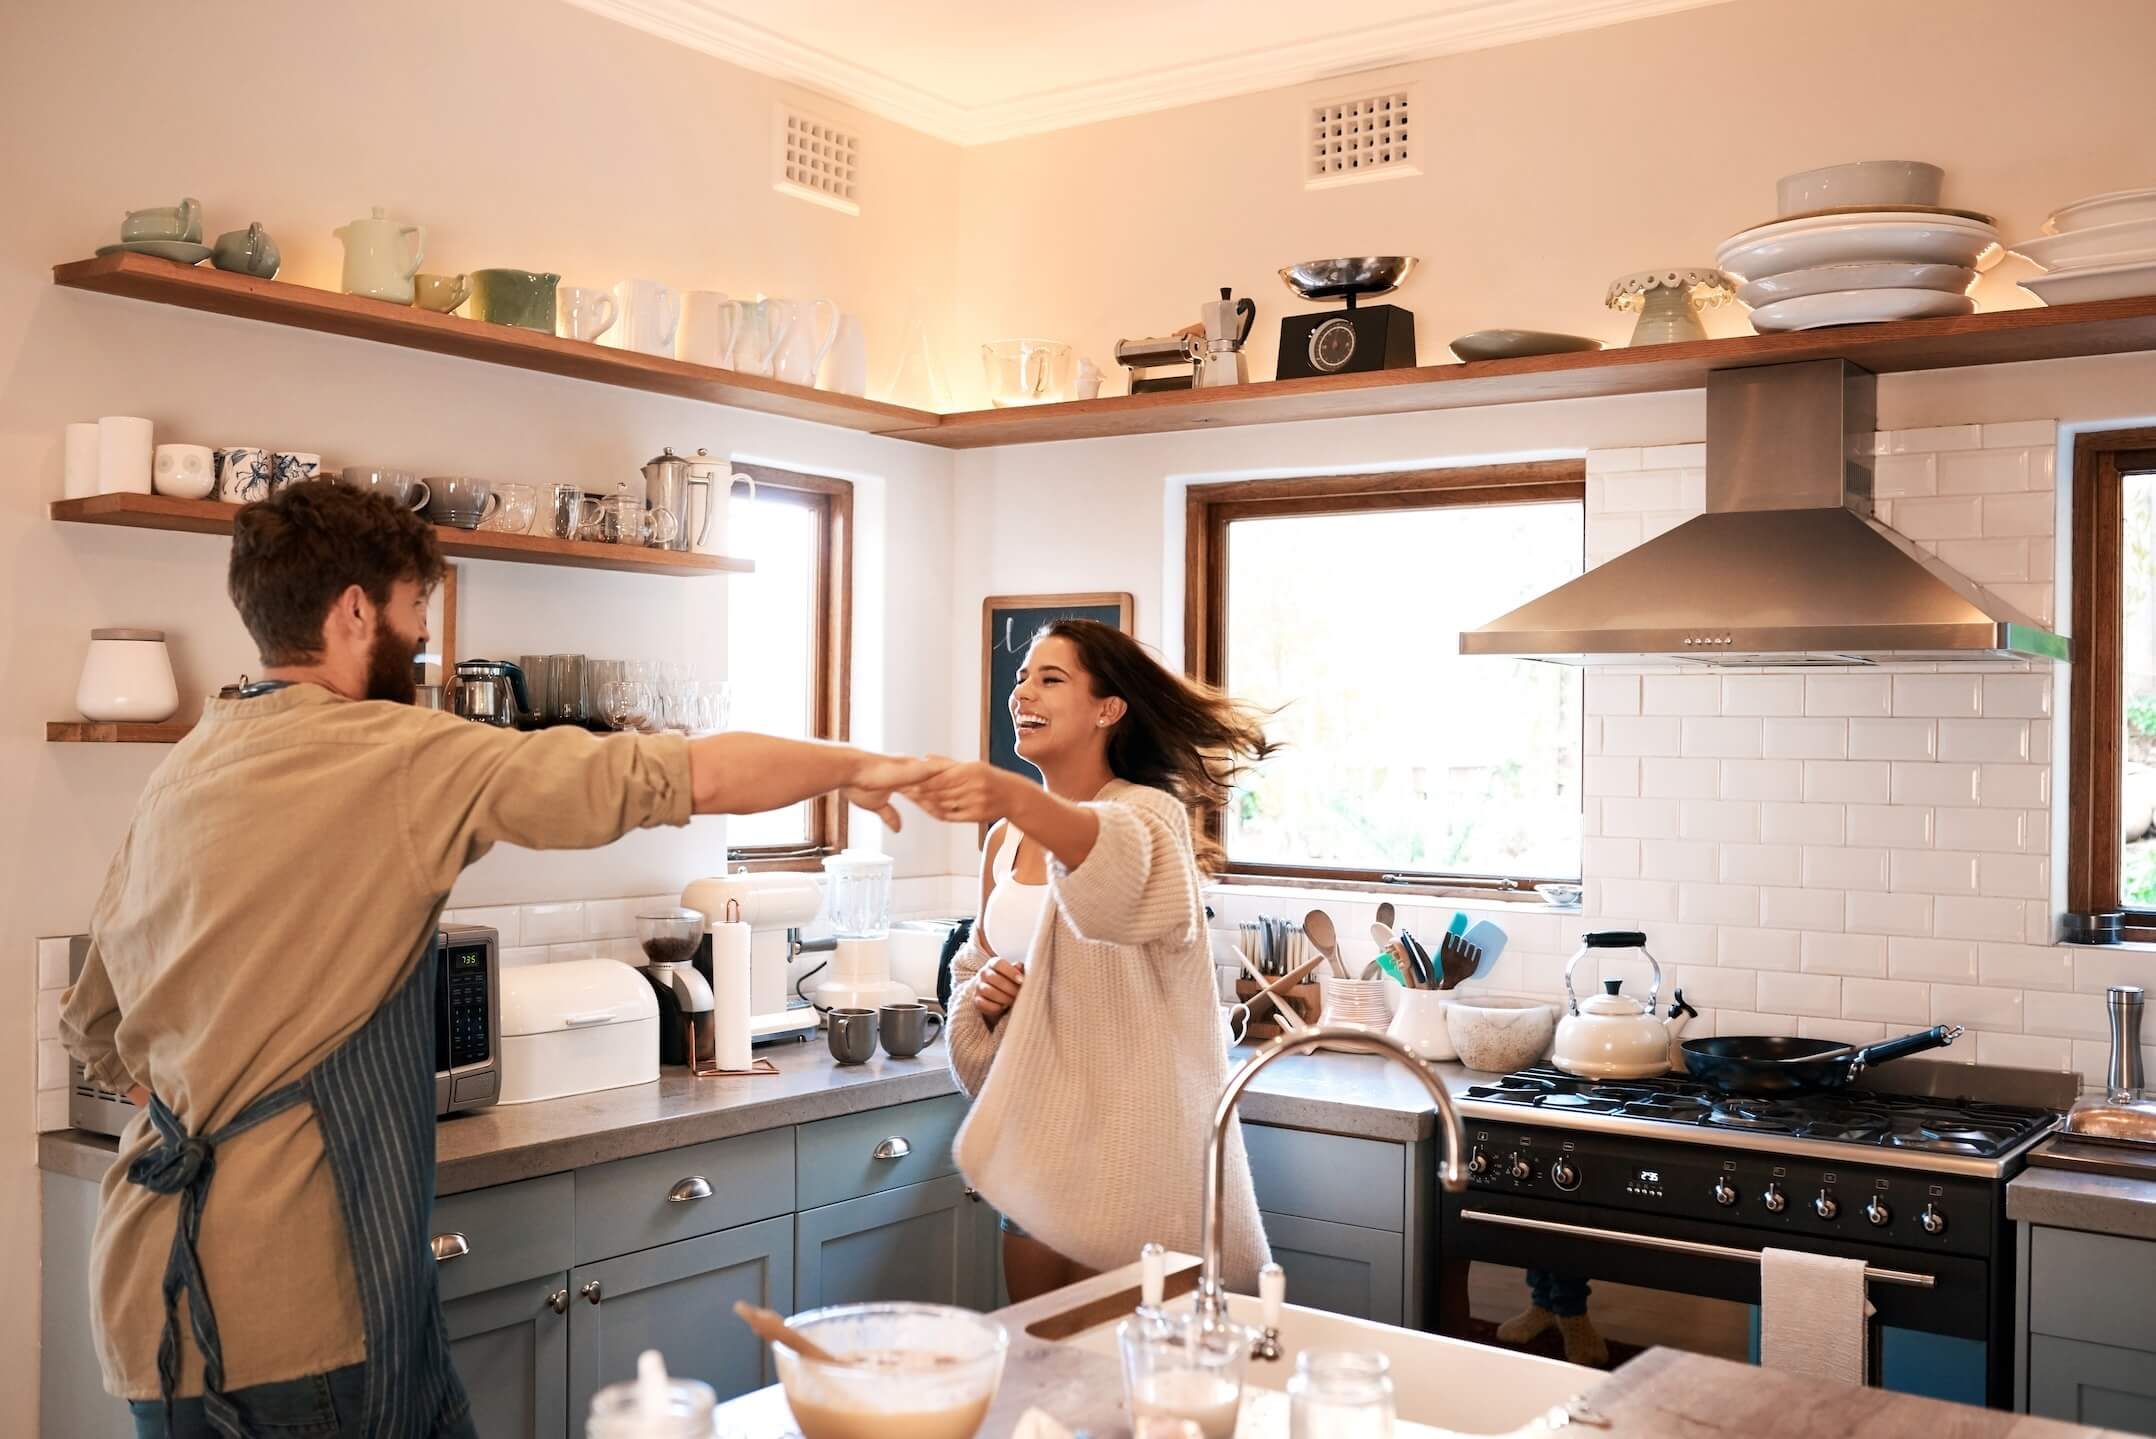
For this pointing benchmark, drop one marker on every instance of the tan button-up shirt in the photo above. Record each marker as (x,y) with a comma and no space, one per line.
(285,869)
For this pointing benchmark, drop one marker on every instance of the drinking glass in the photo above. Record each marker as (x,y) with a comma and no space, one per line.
(513,515)
(565,690)
(1176,1366)
(540,680)
(1340,1395)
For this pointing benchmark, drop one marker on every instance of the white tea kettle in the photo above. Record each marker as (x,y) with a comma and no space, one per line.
(1612,1036)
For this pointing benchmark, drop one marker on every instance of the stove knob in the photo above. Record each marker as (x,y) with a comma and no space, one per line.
(1565,1175)
(1878,1213)
(1521,1169)
(1824,1206)
(1774,1199)
(1724,1195)
(1932,1220)
(1478,1164)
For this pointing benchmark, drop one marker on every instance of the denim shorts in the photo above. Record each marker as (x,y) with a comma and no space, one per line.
(314,1405)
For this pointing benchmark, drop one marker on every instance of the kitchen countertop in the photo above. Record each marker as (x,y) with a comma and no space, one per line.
(1351,1094)
(2102,1203)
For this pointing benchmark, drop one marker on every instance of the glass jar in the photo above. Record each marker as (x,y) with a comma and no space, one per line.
(1340,1395)
(127,678)
(685,1412)
(860,899)
(1175,1366)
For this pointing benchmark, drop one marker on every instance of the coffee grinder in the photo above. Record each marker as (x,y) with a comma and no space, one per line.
(1358,340)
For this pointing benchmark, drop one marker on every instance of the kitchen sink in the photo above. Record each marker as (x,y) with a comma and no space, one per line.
(1441,1386)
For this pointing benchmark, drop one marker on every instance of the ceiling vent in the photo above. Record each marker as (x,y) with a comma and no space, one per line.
(813,159)
(1362,137)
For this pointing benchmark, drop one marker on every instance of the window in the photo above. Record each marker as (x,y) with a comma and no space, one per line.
(2112,763)
(789,644)
(1340,603)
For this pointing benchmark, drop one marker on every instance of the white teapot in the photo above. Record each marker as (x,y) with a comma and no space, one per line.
(1612,1036)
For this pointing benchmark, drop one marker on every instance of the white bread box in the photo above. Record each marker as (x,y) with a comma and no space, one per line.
(575,1026)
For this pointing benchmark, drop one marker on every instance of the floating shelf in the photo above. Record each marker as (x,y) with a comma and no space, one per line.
(93,732)
(213,517)
(2102,327)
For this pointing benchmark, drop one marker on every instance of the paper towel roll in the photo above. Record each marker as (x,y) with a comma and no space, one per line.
(80,477)
(730,995)
(123,455)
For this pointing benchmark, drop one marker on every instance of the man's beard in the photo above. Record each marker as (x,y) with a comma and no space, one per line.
(389,666)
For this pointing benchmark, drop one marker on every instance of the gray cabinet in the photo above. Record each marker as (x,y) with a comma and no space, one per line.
(511,1349)
(679,1298)
(1346,1218)
(2088,1344)
(1338,1267)
(919,1243)
(2096,1384)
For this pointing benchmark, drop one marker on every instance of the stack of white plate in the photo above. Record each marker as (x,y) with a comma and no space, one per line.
(2101,248)
(1860,266)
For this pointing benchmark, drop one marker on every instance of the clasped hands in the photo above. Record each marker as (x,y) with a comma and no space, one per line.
(954,791)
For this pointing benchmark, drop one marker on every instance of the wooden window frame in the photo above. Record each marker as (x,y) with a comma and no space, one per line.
(2096,721)
(831,501)
(1210,509)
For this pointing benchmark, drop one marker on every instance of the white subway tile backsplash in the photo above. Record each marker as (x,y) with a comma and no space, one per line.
(2025,966)
(2014,516)
(2031,599)
(1931,959)
(1979,917)
(1930,871)
(1996,830)
(1607,462)
(1671,778)
(1780,864)
(1720,738)
(2092,1058)
(48,1013)
(1888,1001)
(52,962)
(2070,1016)
(1936,437)
(1897,477)
(1875,913)
(1804,738)
(1640,899)
(1640,734)
(1976,1006)
(1829,867)
(1757,948)
(1802,823)
(1664,457)
(50,1107)
(1728,821)
(1984,472)
(1680,695)
(1916,739)
(1891,826)
(51,1065)
(1841,1031)
(1848,696)
(2011,433)
(1712,987)
(583,949)
(1612,694)
(2027,786)
(1988,562)
(2036,830)
(1642,489)
(1813,994)
(516,955)
(1601,855)
(2002,740)
(1811,909)
(1603,774)
(2024,1051)
(1859,955)
(1958,518)
(1641,818)
(1763,694)
(1939,696)
(1936,784)
(1676,859)
(2018,696)
(2098,967)
(552,923)
(2026,876)
(1829,781)
(610,918)
(506,920)
(1779,780)
(1731,904)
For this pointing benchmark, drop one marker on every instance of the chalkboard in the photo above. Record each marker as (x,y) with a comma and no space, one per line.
(1008,624)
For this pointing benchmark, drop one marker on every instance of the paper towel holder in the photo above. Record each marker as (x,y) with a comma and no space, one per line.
(699,1066)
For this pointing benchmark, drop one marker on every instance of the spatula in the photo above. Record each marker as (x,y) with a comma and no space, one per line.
(1486,936)
(771,1327)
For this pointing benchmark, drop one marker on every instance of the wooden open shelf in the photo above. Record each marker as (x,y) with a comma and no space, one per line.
(213,517)
(92,732)
(2001,337)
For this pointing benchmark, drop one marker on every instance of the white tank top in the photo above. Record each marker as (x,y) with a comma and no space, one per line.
(1012,916)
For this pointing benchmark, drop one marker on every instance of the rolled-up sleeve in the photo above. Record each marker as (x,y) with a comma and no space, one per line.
(1140,883)
(469,787)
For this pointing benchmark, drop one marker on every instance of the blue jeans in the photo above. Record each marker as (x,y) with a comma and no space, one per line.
(316,1405)
(1563,1295)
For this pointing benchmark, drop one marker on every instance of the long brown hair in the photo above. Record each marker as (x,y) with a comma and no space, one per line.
(1177,735)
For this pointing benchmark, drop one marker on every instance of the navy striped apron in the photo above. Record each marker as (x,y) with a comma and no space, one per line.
(373,1100)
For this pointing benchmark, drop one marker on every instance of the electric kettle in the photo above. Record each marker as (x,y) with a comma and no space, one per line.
(489,691)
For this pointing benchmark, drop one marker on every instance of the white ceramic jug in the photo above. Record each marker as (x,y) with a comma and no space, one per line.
(646,316)
(377,260)
(812,329)
(710,323)
(765,327)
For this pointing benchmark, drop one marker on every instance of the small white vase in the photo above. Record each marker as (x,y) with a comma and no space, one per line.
(1419,1024)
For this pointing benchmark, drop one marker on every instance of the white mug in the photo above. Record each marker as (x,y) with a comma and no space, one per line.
(185,472)
(710,323)
(582,313)
(845,370)
(765,327)
(647,314)
(812,330)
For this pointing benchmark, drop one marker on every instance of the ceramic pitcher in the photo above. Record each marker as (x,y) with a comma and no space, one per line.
(812,328)
(765,327)
(379,260)
(709,324)
(647,314)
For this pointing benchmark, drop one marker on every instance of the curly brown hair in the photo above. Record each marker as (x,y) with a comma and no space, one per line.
(294,553)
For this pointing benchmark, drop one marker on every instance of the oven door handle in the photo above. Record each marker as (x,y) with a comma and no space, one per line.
(1678,1246)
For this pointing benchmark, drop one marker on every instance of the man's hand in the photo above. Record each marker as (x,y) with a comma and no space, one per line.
(973,792)
(878,777)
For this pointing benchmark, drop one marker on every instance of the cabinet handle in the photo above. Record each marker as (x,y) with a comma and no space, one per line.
(449,1246)
(591,1291)
(895,1147)
(688,1190)
(973,1194)
(558,1301)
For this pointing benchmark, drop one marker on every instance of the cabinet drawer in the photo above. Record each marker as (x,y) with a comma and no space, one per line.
(508,1233)
(1362,1182)
(633,1204)
(2091,1384)
(2093,1287)
(839,1157)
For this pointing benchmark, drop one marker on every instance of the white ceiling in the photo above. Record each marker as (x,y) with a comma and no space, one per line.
(973,71)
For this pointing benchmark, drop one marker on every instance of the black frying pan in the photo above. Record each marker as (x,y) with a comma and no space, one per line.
(1782,1064)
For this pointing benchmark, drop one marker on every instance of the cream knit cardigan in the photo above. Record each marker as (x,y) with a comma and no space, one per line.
(1094,1094)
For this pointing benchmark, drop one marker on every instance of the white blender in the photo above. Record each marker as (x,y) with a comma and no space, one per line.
(859,903)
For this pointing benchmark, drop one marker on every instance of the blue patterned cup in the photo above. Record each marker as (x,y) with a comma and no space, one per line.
(289,470)
(245,473)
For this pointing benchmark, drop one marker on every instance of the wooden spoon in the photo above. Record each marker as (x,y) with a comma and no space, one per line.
(1318,927)
(770,1326)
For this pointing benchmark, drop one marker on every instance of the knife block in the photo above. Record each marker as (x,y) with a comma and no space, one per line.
(1304,999)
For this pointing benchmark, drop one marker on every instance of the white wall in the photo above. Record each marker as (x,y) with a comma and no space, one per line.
(520,133)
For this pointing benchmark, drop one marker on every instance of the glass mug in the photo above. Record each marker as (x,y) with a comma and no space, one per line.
(513,515)
(576,514)
(623,520)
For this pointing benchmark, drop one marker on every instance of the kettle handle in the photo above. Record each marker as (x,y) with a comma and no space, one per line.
(1248,309)
(1654,990)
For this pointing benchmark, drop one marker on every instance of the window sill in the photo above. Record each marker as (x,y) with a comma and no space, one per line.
(1269,884)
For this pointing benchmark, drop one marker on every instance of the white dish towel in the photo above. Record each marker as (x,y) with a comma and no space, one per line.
(1812,1310)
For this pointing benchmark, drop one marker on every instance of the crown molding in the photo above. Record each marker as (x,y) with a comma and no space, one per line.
(1477,25)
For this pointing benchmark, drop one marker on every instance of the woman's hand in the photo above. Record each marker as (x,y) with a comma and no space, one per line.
(998,988)
(878,776)
(971,793)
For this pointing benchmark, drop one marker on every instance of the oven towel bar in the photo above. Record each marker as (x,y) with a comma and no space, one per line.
(1678,1246)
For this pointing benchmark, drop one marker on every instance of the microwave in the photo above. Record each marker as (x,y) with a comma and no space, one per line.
(467,1031)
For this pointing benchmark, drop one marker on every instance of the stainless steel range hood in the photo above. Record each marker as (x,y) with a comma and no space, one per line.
(1787,567)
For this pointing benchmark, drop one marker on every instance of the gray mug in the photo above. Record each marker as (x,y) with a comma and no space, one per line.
(904,1029)
(460,501)
(401,487)
(852,1035)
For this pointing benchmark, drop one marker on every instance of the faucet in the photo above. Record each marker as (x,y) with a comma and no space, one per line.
(1212,1301)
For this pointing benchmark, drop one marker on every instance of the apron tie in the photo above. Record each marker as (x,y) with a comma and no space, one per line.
(182,1164)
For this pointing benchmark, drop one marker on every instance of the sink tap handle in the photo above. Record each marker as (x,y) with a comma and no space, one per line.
(1272,1293)
(1152,1275)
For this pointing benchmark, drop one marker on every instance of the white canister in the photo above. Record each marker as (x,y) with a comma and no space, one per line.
(127,678)
(79,478)
(123,455)
(185,472)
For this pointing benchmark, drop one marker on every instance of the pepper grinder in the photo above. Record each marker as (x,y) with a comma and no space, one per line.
(2120,1114)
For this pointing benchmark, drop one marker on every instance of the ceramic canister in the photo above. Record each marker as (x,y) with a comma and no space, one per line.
(123,455)
(127,678)
(185,472)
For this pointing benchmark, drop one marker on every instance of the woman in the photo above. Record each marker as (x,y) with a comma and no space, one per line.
(1085,1017)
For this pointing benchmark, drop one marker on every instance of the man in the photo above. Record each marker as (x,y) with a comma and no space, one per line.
(256,979)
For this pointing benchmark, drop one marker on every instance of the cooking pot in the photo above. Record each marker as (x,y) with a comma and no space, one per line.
(489,691)
(1611,1035)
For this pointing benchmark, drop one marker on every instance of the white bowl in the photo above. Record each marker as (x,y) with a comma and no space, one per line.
(1563,896)
(2119,244)
(1498,1035)
(1878,275)
(1787,245)
(1857,307)
(2106,209)
(939,1401)
(2096,282)
(1862,182)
